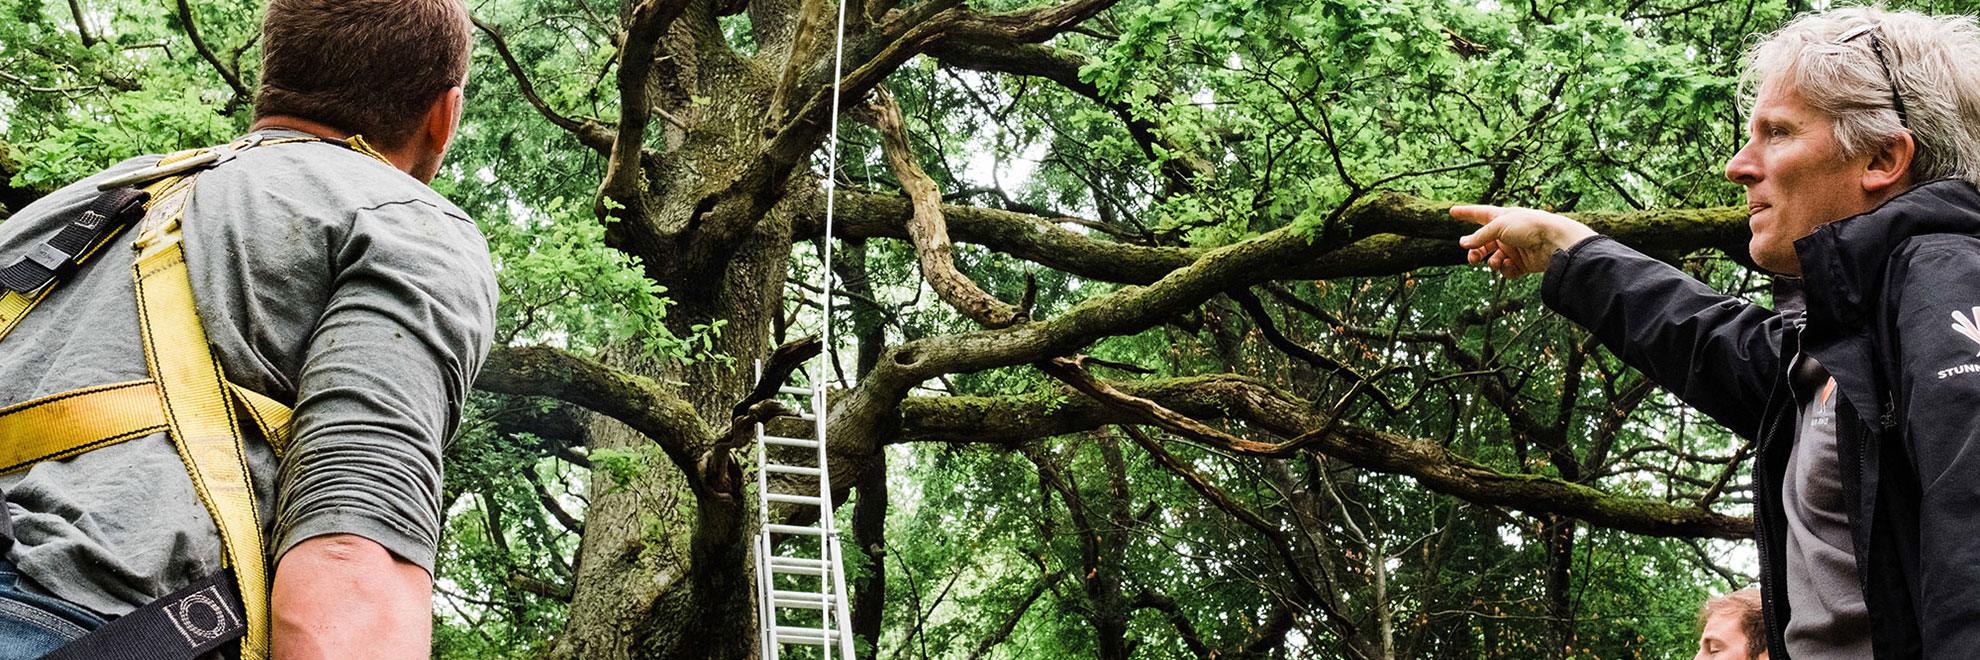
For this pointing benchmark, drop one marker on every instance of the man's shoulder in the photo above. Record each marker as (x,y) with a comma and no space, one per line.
(1922,244)
(321,181)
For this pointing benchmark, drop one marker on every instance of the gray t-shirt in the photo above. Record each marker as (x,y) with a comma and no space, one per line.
(1829,620)
(324,279)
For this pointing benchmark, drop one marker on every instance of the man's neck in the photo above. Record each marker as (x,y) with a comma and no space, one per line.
(401,158)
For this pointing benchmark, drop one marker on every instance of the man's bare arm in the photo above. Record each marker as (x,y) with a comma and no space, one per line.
(342,596)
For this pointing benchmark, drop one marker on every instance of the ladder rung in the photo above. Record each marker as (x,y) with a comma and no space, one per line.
(794,529)
(807,417)
(809,600)
(795,391)
(792,469)
(794,499)
(796,566)
(795,635)
(789,442)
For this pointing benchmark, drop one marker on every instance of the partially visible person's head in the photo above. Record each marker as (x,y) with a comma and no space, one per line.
(1826,139)
(368,67)
(1732,627)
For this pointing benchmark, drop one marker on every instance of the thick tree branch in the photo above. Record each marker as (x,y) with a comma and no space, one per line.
(805,38)
(551,505)
(590,132)
(639,45)
(863,415)
(635,400)
(783,363)
(1400,235)
(1028,26)
(1015,420)
(873,55)
(1071,372)
(558,591)
(928,230)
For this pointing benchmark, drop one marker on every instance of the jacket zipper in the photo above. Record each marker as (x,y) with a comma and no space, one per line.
(1765,494)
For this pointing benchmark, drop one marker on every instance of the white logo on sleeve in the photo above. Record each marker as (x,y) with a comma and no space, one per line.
(1968,327)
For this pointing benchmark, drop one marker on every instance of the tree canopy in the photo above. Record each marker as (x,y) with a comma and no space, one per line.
(1150,335)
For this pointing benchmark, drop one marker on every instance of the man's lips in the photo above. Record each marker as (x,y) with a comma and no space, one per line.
(1753,208)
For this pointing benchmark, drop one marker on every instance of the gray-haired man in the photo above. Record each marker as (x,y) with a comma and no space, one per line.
(1861,391)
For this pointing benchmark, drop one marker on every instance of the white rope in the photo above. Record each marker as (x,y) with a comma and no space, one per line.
(831,195)
(836,618)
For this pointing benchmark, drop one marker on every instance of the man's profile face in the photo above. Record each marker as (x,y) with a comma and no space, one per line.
(1723,640)
(1795,176)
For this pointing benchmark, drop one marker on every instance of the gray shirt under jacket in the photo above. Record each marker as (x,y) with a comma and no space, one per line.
(325,279)
(1830,621)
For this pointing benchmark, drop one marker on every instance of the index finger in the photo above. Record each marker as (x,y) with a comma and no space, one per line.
(1478,213)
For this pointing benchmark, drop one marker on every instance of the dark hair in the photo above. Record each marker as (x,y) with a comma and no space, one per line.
(1744,604)
(369,67)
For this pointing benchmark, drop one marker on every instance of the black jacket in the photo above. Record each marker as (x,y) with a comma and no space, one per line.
(1891,298)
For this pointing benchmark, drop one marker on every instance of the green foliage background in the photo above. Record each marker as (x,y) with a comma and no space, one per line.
(1298,106)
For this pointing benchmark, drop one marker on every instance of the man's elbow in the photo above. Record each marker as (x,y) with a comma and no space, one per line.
(343,591)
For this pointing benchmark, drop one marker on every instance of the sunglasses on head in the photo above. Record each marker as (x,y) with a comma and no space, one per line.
(1877,46)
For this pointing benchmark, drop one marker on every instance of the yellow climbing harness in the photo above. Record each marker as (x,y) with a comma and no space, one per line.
(187,396)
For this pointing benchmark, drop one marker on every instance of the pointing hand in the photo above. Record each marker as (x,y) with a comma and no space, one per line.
(1517,241)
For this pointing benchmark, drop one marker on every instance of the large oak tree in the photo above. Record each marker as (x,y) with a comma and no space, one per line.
(1199,372)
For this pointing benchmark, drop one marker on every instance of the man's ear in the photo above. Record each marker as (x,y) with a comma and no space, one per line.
(443,118)
(1890,164)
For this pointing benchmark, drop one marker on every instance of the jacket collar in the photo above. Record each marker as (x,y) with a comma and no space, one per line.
(1843,262)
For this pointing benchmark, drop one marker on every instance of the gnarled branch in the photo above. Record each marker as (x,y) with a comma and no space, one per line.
(638,47)
(930,233)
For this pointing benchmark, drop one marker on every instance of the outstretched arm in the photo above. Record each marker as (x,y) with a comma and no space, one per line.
(1716,352)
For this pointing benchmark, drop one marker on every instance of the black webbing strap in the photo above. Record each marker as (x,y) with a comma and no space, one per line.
(181,626)
(58,256)
(6,527)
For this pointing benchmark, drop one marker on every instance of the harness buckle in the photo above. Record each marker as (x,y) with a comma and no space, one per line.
(46,256)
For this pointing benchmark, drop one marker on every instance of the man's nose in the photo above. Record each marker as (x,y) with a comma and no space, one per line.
(1744,168)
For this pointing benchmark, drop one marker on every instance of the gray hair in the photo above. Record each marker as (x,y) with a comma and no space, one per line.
(1934,59)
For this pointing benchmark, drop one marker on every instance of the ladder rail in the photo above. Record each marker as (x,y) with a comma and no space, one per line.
(766,616)
(831,598)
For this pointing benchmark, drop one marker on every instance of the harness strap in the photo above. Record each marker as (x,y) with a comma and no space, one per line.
(71,423)
(199,618)
(198,410)
(28,280)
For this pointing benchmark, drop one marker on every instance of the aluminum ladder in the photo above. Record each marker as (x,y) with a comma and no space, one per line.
(828,598)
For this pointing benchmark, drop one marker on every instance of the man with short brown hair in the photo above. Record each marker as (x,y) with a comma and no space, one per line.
(328,278)
(1730,627)
(367,67)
